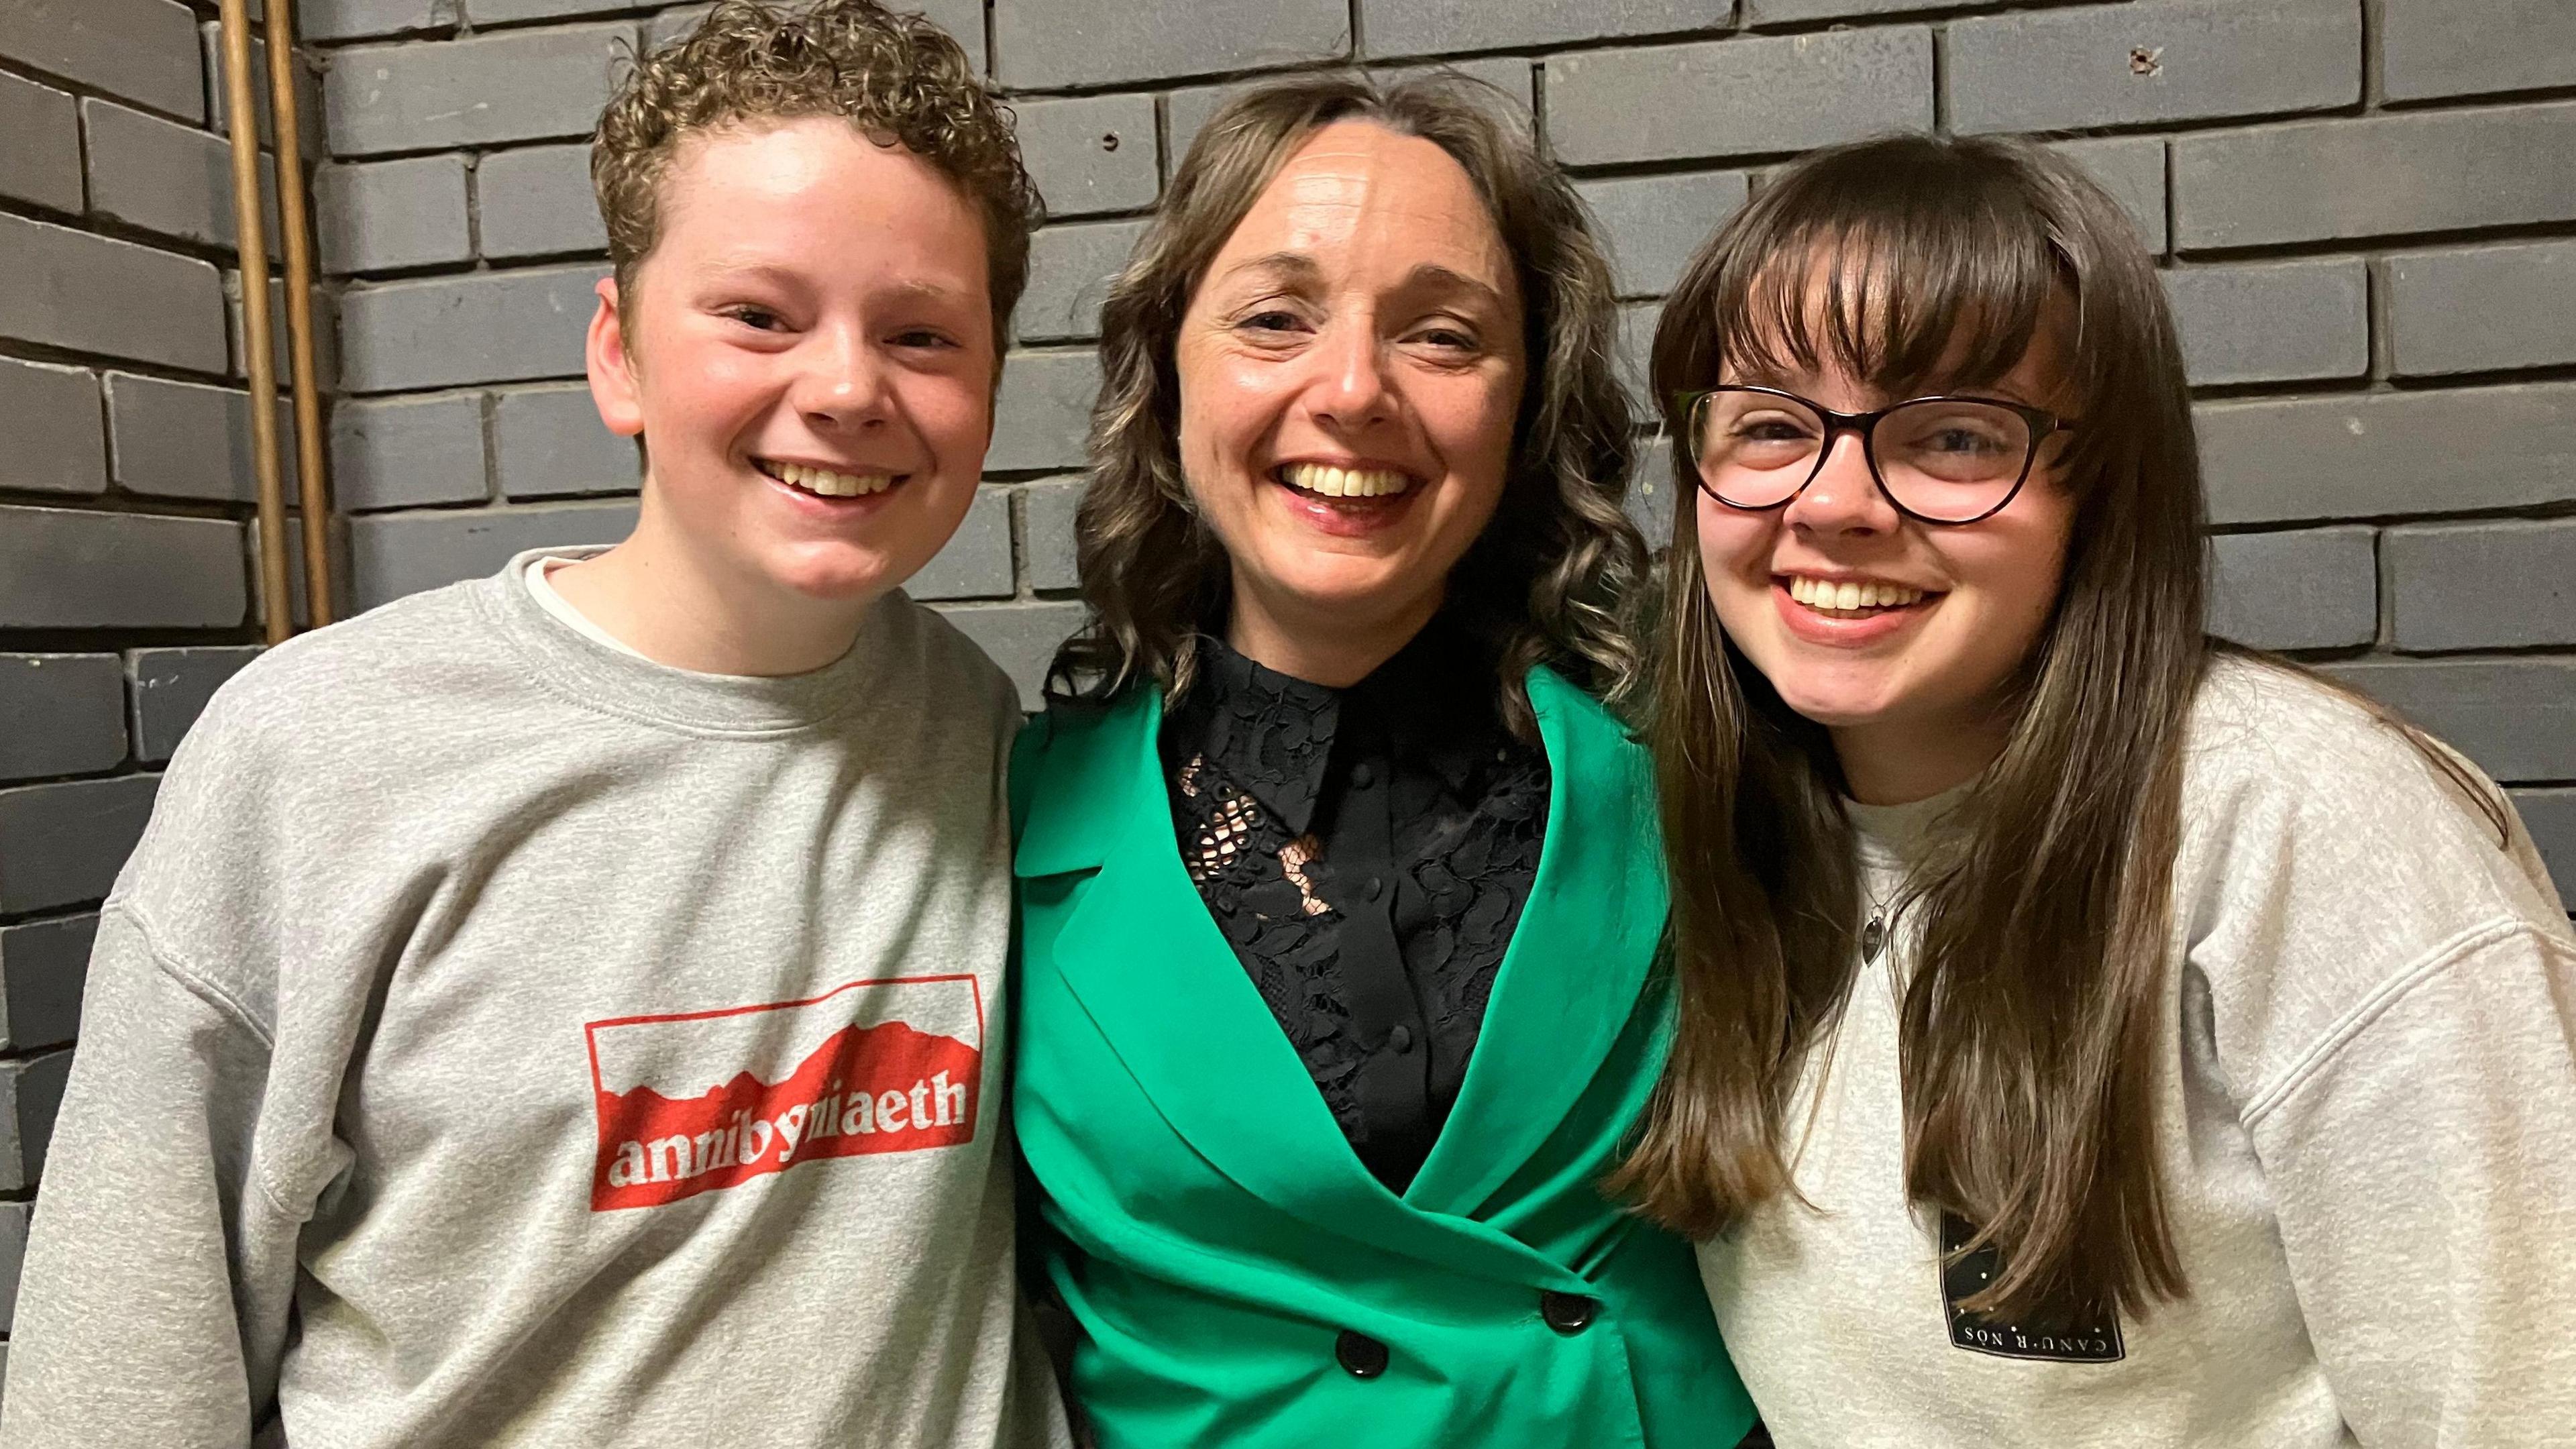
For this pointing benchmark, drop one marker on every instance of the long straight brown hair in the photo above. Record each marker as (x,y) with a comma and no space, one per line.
(2028,1029)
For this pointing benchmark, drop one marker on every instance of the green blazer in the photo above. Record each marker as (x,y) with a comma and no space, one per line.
(1240,1279)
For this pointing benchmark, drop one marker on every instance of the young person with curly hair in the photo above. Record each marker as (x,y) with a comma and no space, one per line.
(564,1008)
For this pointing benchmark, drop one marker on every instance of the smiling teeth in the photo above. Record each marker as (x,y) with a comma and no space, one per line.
(828,483)
(1828,594)
(1334,482)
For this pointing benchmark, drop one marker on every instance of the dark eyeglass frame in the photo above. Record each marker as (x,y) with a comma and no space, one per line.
(2043,426)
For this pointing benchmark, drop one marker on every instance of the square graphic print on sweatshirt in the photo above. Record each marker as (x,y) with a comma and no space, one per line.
(698,1101)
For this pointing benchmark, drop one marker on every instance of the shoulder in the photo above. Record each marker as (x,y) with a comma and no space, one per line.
(2328,856)
(1069,770)
(925,652)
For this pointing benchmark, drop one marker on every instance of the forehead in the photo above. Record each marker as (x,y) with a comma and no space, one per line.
(1359,198)
(815,185)
(1863,326)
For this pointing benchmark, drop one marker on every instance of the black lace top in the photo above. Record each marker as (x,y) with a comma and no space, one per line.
(1367,852)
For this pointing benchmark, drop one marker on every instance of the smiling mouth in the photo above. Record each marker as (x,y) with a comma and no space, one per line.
(825,482)
(1851,599)
(1344,487)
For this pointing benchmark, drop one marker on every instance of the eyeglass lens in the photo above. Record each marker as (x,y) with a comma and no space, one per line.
(1941,458)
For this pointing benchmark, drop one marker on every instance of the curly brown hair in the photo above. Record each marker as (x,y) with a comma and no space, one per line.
(899,78)
(1545,582)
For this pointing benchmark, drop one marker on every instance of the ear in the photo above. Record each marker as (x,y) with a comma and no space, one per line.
(613,383)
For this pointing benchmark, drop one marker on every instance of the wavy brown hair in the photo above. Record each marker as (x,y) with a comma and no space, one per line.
(1544,583)
(898,78)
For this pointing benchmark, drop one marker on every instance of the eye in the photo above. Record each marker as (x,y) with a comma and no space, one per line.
(923,337)
(759,319)
(1450,339)
(1273,320)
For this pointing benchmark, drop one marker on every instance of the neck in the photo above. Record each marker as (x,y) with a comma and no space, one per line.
(1331,647)
(669,603)
(1899,762)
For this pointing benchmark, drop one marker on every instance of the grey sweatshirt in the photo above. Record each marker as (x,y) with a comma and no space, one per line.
(500,1040)
(2366,1098)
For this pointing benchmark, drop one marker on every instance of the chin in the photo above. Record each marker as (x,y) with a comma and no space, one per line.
(837,576)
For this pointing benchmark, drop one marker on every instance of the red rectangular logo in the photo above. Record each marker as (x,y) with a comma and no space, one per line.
(710,1099)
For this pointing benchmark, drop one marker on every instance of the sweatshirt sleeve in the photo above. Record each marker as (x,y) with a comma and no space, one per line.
(2423,1167)
(159,1270)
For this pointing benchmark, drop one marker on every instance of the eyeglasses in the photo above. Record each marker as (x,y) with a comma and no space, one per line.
(1938,459)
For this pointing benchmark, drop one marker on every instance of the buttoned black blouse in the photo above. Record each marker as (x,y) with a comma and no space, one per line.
(1367,852)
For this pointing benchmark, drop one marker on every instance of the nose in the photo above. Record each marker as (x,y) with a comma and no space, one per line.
(842,383)
(1842,497)
(1350,386)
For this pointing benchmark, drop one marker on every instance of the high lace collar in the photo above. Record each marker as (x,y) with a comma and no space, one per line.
(1273,733)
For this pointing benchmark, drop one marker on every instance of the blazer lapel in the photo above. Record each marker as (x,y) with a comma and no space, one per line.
(1164,987)
(1577,961)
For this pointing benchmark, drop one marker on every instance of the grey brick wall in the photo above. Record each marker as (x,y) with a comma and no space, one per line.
(125,490)
(2366,210)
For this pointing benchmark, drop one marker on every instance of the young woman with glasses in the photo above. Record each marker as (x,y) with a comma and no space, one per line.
(2090,1033)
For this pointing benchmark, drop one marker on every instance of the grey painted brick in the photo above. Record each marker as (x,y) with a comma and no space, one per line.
(403,452)
(2495,307)
(326,340)
(42,967)
(1633,352)
(1653,224)
(2482,585)
(31,1092)
(52,438)
(42,162)
(2515,717)
(548,442)
(1091,153)
(538,202)
(516,86)
(481,327)
(308,93)
(13,1253)
(2273,321)
(1044,412)
(1654,495)
(165,177)
(1738,97)
(394,554)
(1070,269)
(189,440)
(170,688)
(2132,169)
(1186,111)
(2550,816)
(2311,589)
(1428,27)
(2375,176)
(2388,454)
(1020,637)
(976,563)
(336,20)
(1780,12)
(60,714)
(518,12)
(63,843)
(96,294)
(1098,42)
(63,569)
(2149,61)
(2469,47)
(143,50)
(384,215)
(670,25)
(1047,512)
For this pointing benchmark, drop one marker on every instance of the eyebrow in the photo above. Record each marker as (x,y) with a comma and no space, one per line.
(1299,267)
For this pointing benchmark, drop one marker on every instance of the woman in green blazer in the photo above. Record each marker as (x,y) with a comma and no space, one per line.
(1341,889)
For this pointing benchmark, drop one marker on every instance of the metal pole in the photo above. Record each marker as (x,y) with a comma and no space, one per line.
(299,312)
(259,355)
